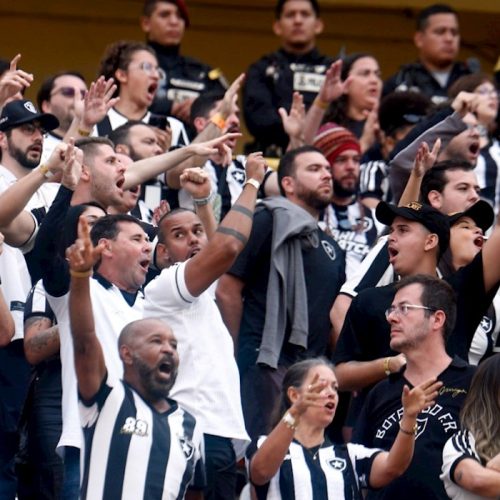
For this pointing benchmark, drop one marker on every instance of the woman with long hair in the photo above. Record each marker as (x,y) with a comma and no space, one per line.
(471,457)
(297,460)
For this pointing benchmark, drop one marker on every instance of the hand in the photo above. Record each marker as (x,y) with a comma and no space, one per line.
(97,102)
(420,397)
(425,158)
(333,87)
(14,81)
(396,363)
(196,182)
(465,102)
(162,209)
(73,161)
(255,167)
(182,110)
(215,146)
(293,123)
(55,162)
(82,255)
(310,397)
(371,130)
(164,137)
(228,104)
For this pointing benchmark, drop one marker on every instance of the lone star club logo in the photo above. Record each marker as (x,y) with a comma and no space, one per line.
(328,248)
(186,446)
(421,425)
(239,176)
(486,324)
(29,106)
(338,464)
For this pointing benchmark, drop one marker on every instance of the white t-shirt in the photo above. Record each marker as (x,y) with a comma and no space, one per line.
(111,314)
(16,281)
(207,383)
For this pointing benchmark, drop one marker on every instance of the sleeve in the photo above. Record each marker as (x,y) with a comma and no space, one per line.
(53,266)
(168,291)
(348,347)
(362,460)
(258,243)
(37,304)
(402,161)
(261,113)
(374,270)
(457,448)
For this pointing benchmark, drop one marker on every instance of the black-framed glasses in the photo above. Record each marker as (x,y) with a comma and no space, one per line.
(69,92)
(403,309)
(30,128)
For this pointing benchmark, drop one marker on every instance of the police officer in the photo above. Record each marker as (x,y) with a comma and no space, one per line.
(296,66)
(183,79)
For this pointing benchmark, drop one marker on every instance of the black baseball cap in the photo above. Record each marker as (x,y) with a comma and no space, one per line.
(429,217)
(481,213)
(17,112)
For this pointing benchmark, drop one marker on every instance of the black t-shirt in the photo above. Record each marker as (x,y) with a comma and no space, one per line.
(378,426)
(324,271)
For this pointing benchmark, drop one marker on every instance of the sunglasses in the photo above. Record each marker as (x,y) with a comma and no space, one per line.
(69,92)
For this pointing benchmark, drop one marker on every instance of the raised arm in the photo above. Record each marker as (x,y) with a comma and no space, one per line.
(491,251)
(424,160)
(89,359)
(231,235)
(14,81)
(143,170)
(267,460)
(331,89)
(197,183)
(215,128)
(294,122)
(390,465)
(16,223)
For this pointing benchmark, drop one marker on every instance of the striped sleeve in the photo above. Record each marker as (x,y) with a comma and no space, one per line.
(37,304)
(373,180)
(459,447)
(362,460)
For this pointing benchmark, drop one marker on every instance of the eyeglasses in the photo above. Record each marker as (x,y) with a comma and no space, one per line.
(487,91)
(150,69)
(69,92)
(402,309)
(31,128)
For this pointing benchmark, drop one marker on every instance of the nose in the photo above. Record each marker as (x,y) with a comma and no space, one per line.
(193,238)
(473,195)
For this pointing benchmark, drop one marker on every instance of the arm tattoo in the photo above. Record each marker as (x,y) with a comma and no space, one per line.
(243,210)
(233,233)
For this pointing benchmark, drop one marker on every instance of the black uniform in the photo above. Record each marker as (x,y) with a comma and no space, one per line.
(415,76)
(378,427)
(270,84)
(185,78)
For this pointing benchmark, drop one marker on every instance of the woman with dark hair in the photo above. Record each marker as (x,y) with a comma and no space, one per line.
(471,457)
(349,97)
(135,70)
(297,460)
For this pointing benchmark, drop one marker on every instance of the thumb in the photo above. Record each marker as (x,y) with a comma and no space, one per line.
(283,114)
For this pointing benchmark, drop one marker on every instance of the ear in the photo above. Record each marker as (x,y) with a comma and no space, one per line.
(200,123)
(439,319)
(45,107)
(145,24)
(418,39)
(277,28)
(126,355)
(435,199)
(293,394)
(106,251)
(121,75)
(162,258)
(318,27)
(3,140)
(122,149)
(288,185)
(431,242)
(86,173)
